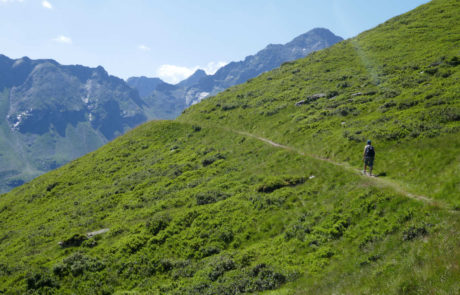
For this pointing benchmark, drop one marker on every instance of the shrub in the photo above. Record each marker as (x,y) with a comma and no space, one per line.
(134,244)
(73,241)
(228,107)
(165,265)
(77,264)
(431,71)
(343,85)
(158,223)
(210,197)
(40,280)
(390,93)
(386,106)
(225,235)
(414,232)
(267,279)
(298,231)
(218,268)
(454,61)
(407,104)
(208,251)
(331,94)
(208,161)
(90,243)
(272,184)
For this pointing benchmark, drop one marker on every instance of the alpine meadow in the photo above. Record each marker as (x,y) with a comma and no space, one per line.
(259,189)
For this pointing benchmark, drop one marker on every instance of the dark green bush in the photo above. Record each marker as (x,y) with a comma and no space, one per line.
(77,264)
(408,103)
(431,71)
(274,183)
(208,251)
(343,85)
(208,161)
(454,61)
(219,267)
(228,107)
(267,279)
(158,223)
(73,241)
(209,197)
(41,280)
(390,93)
(134,244)
(331,94)
(414,232)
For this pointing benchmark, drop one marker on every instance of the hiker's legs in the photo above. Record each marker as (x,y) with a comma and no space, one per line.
(371,165)
(365,167)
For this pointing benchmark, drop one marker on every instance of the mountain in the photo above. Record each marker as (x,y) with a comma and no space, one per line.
(170,101)
(51,114)
(272,57)
(259,189)
(144,85)
(193,79)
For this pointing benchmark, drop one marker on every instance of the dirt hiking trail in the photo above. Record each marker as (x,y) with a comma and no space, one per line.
(377,181)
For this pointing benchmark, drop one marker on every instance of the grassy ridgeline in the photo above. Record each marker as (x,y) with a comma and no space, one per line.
(397,84)
(194,208)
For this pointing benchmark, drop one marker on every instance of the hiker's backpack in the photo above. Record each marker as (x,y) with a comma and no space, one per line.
(370,153)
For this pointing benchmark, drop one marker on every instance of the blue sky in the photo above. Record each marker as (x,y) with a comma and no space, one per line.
(172,38)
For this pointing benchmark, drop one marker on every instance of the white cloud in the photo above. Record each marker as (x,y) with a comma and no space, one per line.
(143,47)
(174,74)
(63,39)
(212,67)
(47,5)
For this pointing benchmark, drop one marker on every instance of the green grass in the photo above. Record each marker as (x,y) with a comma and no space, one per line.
(194,207)
(406,71)
(148,187)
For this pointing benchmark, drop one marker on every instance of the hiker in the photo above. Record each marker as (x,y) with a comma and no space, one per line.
(368,157)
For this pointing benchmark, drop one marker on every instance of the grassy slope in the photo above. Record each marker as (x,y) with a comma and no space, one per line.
(407,71)
(200,210)
(219,225)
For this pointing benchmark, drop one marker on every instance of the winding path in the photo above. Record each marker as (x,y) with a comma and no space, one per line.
(381,181)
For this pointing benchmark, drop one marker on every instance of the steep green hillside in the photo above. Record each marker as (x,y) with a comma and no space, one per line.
(206,205)
(194,211)
(398,84)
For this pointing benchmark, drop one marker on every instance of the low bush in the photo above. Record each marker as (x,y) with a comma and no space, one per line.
(273,183)
(158,223)
(210,197)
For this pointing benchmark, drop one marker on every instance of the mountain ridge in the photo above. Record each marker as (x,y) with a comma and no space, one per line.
(54,113)
(201,85)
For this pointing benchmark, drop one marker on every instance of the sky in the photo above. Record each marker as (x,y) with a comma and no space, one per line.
(171,39)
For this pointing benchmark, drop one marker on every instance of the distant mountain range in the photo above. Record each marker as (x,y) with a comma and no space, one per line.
(168,100)
(52,113)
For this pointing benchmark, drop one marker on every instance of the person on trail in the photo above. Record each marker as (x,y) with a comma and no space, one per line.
(368,157)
